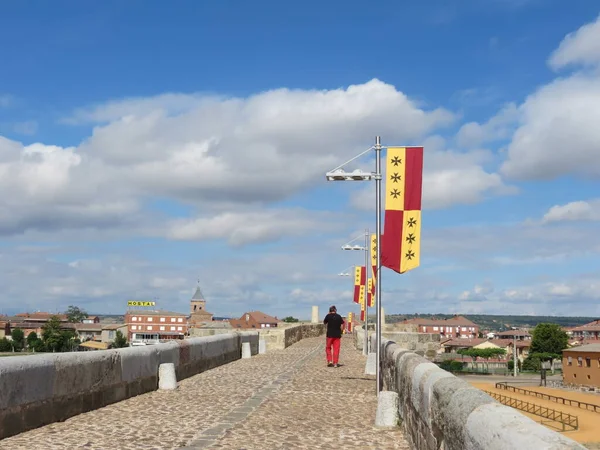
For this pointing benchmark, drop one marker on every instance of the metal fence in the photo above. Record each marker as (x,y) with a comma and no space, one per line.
(552,398)
(568,421)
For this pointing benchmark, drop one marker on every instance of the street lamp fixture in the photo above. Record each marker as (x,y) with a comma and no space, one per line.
(347,272)
(338,174)
(353,247)
(342,175)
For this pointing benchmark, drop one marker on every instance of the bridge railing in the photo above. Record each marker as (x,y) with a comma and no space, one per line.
(568,421)
(553,398)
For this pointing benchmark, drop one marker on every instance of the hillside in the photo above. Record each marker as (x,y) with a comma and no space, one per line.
(497,322)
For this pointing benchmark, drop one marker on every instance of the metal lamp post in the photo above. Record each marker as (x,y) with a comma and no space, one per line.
(366,250)
(338,174)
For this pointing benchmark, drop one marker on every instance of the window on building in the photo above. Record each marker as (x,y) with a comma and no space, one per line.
(134,319)
(179,328)
(150,319)
(569,361)
(173,328)
(579,361)
(111,334)
(172,319)
(134,327)
(435,328)
(162,319)
(588,362)
(162,328)
(598,362)
(464,328)
(180,320)
(149,327)
(268,325)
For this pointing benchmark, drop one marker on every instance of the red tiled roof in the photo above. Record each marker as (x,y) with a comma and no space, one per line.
(513,333)
(41,316)
(453,321)
(261,317)
(465,342)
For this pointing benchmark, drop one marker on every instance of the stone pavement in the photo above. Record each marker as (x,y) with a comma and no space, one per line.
(284,399)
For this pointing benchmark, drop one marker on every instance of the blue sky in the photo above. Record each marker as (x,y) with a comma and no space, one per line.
(144,147)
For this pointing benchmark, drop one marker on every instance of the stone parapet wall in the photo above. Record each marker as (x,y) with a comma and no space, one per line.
(424,344)
(439,410)
(280,338)
(41,389)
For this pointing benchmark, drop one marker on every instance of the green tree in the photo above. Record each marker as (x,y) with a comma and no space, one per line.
(56,339)
(485,353)
(75,314)
(548,339)
(34,343)
(5,345)
(18,338)
(120,340)
(290,319)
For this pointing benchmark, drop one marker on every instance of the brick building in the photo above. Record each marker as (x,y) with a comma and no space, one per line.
(151,327)
(588,332)
(255,319)
(455,327)
(581,365)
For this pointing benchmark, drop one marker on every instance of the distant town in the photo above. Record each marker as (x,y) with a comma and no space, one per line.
(142,324)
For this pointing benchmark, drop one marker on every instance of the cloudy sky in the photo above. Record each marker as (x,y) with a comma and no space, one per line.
(145,147)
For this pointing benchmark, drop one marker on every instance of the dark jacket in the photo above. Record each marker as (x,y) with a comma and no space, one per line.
(334,324)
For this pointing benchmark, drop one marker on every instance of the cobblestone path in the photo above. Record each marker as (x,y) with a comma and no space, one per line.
(285,399)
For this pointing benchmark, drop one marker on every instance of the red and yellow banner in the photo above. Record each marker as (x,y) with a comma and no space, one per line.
(401,248)
(360,273)
(349,324)
(370,293)
(362,311)
(373,261)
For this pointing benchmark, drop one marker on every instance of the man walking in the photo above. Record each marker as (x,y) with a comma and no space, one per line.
(334,323)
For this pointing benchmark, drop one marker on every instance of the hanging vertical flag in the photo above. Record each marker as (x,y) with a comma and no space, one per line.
(350,319)
(373,261)
(401,249)
(362,310)
(359,281)
(370,294)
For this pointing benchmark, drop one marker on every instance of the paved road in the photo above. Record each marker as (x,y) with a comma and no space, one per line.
(286,399)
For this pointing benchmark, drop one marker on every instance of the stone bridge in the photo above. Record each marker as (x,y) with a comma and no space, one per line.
(286,398)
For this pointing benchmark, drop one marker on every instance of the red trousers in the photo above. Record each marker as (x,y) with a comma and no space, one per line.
(335,344)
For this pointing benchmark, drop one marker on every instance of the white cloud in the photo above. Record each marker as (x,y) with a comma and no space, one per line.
(558,133)
(241,228)
(581,47)
(577,296)
(574,212)
(205,151)
(473,134)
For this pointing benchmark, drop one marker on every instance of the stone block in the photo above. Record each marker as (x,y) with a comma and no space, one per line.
(138,362)
(371,364)
(86,371)
(246,350)
(262,347)
(167,381)
(386,415)
(26,380)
